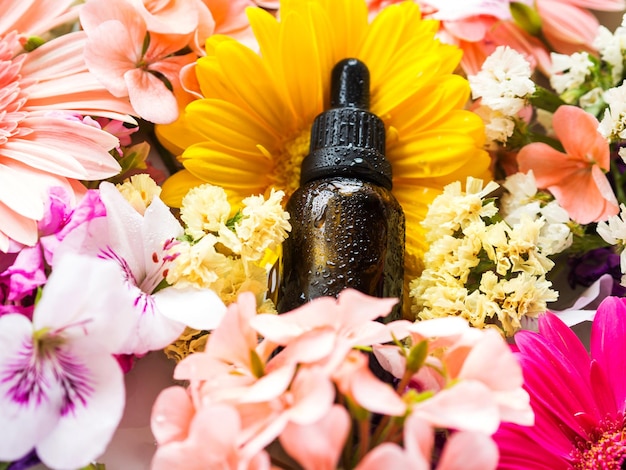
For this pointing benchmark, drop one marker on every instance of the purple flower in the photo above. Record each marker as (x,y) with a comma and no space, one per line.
(589,267)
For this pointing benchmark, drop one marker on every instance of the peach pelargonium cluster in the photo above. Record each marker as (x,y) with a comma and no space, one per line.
(301,380)
(225,249)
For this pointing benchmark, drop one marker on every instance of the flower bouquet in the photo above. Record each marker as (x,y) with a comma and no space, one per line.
(147,154)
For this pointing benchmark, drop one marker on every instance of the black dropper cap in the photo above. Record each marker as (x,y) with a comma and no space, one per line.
(348,140)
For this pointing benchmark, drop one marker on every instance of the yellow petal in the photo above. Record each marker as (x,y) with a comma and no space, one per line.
(228,124)
(177,185)
(227,168)
(248,77)
(302,71)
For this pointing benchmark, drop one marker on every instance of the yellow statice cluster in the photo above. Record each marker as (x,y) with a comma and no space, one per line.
(139,190)
(478,266)
(226,251)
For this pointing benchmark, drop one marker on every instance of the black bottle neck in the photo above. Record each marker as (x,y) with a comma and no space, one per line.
(348,142)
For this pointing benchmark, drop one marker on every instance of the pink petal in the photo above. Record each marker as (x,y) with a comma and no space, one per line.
(578,132)
(419,439)
(607,345)
(545,368)
(467,406)
(469,451)
(172,413)
(211,442)
(318,445)
(313,395)
(389,456)
(150,97)
(565,340)
(16,227)
(503,373)
(355,379)
(110,52)
(390,359)
(567,28)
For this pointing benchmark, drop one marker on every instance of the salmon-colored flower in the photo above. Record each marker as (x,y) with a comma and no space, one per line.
(117,54)
(569,26)
(463,449)
(575,177)
(42,143)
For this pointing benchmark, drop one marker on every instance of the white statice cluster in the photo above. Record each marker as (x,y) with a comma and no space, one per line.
(613,231)
(478,266)
(613,123)
(569,72)
(503,86)
(611,47)
(522,199)
(226,250)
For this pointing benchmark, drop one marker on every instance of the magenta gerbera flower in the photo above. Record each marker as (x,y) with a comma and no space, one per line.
(579,398)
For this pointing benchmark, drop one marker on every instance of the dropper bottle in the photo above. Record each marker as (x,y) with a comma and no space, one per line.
(347,227)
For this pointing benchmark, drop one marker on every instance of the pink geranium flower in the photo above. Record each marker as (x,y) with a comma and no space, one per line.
(466,450)
(575,177)
(132,62)
(190,440)
(579,398)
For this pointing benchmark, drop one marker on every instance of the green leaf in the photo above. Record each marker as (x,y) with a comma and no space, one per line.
(417,356)
(543,98)
(230,223)
(526,18)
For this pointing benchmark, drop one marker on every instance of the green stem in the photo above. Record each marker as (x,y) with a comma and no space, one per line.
(364,438)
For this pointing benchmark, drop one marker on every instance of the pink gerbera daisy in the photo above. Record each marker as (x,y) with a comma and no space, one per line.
(578,398)
(44,96)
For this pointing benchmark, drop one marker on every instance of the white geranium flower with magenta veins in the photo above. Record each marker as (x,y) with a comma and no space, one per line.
(138,246)
(61,389)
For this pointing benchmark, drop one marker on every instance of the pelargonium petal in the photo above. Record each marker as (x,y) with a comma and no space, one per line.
(86,427)
(201,309)
(95,308)
(28,401)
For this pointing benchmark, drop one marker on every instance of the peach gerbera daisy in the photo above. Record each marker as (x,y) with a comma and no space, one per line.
(250,130)
(44,95)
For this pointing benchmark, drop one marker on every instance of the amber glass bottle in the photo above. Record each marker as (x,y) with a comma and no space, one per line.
(347,227)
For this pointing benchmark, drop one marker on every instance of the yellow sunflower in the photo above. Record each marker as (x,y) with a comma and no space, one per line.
(250,131)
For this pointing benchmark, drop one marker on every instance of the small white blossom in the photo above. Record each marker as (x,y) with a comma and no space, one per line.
(611,47)
(592,98)
(521,201)
(503,82)
(569,71)
(613,231)
(613,124)
(498,127)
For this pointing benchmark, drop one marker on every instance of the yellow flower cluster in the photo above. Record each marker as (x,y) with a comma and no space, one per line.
(478,266)
(139,190)
(224,251)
